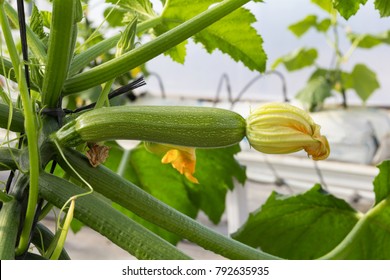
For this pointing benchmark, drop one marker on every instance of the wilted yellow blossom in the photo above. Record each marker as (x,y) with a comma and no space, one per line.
(183,159)
(280,128)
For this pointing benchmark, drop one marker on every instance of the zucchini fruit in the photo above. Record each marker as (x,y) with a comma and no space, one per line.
(178,125)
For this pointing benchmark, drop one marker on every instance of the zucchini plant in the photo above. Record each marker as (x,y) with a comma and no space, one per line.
(46,157)
(324,81)
(45,153)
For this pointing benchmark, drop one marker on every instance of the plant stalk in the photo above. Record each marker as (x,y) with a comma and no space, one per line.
(30,130)
(17,123)
(146,52)
(151,209)
(9,220)
(342,249)
(102,217)
(61,44)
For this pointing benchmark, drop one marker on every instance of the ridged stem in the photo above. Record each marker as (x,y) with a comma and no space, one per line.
(9,158)
(60,50)
(31,131)
(17,123)
(151,209)
(81,60)
(9,220)
(146,52)
(102,217)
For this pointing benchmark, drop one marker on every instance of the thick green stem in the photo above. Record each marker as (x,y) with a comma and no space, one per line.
(102,217)
(9,224)
(60,50)
(151,209)
(9,221)
(17,123)
(103,97)
(342,250)
(30,130)
(146,52)
(81,60)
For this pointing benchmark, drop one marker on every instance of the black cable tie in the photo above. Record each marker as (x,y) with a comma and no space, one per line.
(53,112)
(124,89)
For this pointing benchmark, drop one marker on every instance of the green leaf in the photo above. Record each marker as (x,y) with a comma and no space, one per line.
(175,13)
(382,182)
(369,239)
(215,169)
(383,6)
(36,23)
(368,41)
(76,225)
(348,8)
(143,8)
(323,25)
(46,18)
(303,226)
(301,27)
(162,181)
(297,59)
(326,5)
(233,34)
(114,16)
(177,53)
(364,81)
(314,93)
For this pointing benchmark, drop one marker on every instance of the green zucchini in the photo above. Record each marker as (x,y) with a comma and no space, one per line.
(177,125)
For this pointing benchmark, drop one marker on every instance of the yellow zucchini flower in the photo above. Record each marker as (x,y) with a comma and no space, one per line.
(280,128)
(183,159)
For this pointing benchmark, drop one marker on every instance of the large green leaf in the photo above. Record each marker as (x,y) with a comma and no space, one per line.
(314,93)
(363,81)
(303,226)
(382,182)
(297,59)
(215,170)
(370,237)
(175,13)
(232,35)
(348,8)
(383,6)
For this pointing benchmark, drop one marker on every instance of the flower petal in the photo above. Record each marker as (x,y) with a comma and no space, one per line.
(183,159)
(279,128)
